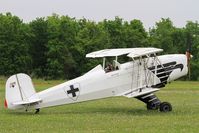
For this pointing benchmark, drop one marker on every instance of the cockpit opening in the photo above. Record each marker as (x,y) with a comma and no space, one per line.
(110,64)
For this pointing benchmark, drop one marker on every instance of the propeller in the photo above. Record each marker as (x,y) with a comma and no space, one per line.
(188,54)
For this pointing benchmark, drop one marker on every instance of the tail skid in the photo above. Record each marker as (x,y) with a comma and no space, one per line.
(20,92)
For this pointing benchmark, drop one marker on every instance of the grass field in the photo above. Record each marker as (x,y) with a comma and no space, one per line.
(117,114)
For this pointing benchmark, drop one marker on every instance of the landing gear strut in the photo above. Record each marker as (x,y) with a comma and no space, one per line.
(153,103)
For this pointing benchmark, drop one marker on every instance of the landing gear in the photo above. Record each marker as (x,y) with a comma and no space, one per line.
(37,111)
(165,107)
(153,103)
(152,106)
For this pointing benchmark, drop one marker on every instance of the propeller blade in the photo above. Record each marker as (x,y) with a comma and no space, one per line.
(188,54)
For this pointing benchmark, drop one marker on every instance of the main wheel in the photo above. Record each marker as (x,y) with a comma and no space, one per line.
(165,107)
(152,106)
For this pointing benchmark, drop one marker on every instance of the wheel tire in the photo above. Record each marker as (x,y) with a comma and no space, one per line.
(165,107)
(152,106)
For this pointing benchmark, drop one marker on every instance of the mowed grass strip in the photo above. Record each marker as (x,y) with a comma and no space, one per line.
(116,114)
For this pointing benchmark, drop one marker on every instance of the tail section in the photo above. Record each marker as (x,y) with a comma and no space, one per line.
(20,92)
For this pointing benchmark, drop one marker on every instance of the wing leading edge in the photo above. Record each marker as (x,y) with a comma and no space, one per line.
(132,52)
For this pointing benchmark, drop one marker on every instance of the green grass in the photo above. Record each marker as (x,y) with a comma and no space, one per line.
(117,114)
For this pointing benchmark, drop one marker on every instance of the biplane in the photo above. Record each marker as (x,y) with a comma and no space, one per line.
(140,77)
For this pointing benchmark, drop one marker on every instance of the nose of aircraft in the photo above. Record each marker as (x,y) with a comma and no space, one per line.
(180,68)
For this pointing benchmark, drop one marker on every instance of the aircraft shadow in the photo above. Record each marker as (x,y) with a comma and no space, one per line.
(99,110)
(141,111)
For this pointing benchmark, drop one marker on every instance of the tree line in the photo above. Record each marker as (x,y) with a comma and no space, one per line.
(55,47)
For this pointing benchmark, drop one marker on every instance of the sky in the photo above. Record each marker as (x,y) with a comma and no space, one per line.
(148,11)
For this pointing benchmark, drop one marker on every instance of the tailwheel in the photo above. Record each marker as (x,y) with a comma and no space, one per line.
(37,111)
(165,107)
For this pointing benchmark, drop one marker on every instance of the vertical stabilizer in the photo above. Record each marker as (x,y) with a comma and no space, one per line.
(19,89)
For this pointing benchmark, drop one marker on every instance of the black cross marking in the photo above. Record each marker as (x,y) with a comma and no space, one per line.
(73,90)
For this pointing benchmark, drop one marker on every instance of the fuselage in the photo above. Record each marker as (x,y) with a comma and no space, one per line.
(150,73)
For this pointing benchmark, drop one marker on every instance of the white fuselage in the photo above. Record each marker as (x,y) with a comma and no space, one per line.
(129,78)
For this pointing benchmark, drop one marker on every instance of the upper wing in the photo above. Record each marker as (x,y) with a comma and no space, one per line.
(110,52)
(132,52)
(144,51)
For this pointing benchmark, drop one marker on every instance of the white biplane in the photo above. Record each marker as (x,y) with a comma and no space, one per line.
(139,78)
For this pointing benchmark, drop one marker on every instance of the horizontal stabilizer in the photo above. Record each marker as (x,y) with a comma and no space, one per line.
(27,102)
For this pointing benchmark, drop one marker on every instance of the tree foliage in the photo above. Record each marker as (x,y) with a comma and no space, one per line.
(55,46)
(14,46)
(38,46)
